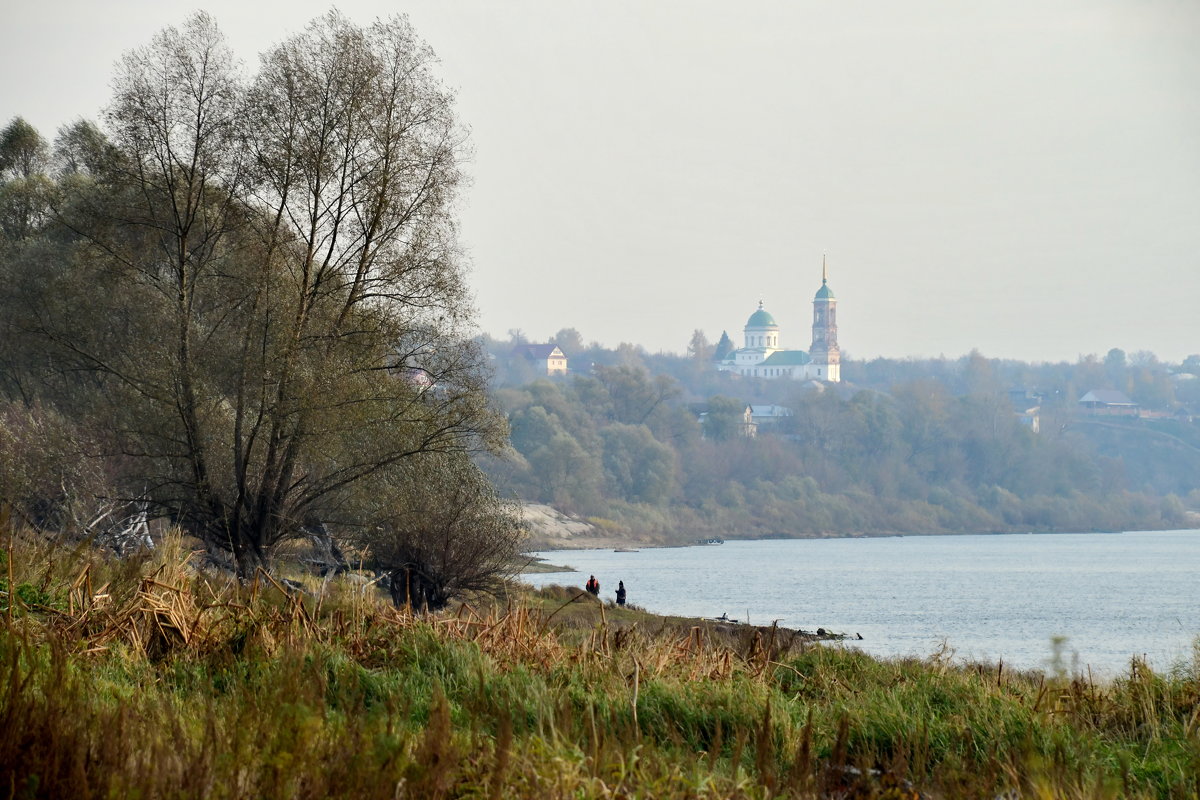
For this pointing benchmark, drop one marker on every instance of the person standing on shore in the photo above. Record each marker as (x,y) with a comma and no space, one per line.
(593,585)
(620,593)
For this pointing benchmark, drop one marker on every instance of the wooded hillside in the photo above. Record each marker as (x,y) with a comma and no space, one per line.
(931,446)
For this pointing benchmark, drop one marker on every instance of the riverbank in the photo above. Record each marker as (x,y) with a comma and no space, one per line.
(574,608)
(550,529)
(1092,599)
(148,678)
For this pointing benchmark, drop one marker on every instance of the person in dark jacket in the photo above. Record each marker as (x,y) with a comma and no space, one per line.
(593,586)
(620,593)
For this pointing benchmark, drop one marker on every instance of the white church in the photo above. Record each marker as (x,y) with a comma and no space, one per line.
(762,356)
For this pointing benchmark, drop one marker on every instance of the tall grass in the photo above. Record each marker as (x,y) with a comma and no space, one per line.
(148,678)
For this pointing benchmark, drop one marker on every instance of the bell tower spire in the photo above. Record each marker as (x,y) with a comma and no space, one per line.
(826,356)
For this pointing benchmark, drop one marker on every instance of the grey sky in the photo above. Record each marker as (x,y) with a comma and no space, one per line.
(1014,176)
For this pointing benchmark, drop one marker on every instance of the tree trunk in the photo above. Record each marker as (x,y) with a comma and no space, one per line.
(411,587)
(248,555)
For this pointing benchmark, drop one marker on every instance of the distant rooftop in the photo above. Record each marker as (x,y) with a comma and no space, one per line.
(536,350)
(786,358)
(761,319)
(1108,397)
(770,411)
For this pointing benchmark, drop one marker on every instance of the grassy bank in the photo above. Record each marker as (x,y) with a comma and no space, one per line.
(148,679)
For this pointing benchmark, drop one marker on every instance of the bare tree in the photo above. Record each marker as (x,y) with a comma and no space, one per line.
(269,302)
(81,148)
(448,532)
(24,188)
(23,151)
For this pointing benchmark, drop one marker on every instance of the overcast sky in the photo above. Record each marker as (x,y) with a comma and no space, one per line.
(1017,176)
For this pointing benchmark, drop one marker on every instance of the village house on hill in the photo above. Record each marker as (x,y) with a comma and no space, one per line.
(1109,402)
(762,356)
(742,424)
(769,415)
(547,358)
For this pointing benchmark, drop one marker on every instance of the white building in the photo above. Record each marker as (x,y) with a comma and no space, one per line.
(546,357)
(762,356)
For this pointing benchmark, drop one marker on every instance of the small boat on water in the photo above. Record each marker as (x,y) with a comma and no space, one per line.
(626,550)
(713,540)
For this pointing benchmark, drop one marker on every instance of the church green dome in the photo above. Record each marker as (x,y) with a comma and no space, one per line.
(824,293)
(761,319)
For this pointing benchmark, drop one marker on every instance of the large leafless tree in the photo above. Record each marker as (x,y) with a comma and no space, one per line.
(267,295)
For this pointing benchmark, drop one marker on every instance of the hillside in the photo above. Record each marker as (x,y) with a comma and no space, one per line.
(632,453)
(1156,456)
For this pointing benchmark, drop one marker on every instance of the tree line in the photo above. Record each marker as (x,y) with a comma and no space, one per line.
(916,447)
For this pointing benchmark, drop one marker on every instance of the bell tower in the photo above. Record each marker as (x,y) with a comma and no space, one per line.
(826,357)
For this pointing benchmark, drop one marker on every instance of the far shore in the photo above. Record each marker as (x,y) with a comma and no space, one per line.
(632,545)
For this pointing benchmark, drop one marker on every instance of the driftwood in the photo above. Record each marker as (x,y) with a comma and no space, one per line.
(122,527)
(327,557)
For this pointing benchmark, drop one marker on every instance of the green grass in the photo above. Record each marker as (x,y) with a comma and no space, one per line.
(183,686)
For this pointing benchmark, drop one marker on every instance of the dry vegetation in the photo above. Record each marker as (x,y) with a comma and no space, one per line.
(148,678)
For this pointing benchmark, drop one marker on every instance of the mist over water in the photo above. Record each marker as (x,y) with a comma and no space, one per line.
(1113,596)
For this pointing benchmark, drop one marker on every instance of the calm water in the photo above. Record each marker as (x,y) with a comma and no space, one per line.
(1113,595)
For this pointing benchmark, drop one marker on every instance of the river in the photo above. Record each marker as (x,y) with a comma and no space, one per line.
(1113,596)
